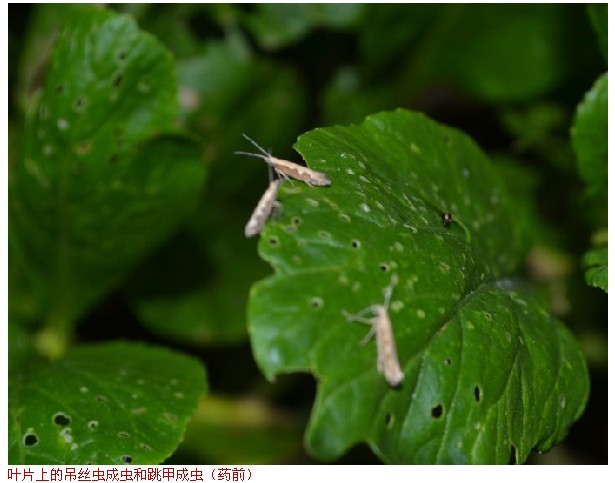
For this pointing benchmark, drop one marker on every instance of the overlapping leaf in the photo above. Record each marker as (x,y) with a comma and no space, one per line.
(487,370)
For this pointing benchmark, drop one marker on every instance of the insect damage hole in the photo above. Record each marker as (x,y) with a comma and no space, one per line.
(316,303)
(79,105)
(118,78)
(324,235)
(274,241)
(384,267)
(121,55)
(127,459)
(437,411)
(477,393)
(61,419)
(356,244)
(389,420)
(30,440)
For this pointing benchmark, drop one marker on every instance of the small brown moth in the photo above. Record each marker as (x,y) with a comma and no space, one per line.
(388,363)
(288,169)
(263,209)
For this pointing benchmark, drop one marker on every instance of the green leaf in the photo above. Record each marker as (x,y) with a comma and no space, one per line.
(599,16)
(99,185)
(276,25)
(596,264)
(195,287)
(590,137)
(110,403)
(486,368)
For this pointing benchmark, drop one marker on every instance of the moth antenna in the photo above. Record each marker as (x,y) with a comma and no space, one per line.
(256,145)
(255,155)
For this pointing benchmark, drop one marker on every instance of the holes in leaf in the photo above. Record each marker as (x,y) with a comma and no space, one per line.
(384,267)
(316,303)
(101,398)
(171,418)
(118,78)
(487,315)
(296,220)
(61,419)
(121,55)
(126,459)
(356,244)
(79,105)
(324,235)
(290,229)
(60,89)
(92,425)
(344,217)
(274,241)
(123,435)
(145,446)
(437,411)
(389,420)
(30,440)
(448,361)
(83,148)
(477,393)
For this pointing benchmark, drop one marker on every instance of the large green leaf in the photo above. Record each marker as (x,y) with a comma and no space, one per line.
(487,369)
(98,185)
(110,403)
